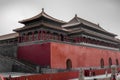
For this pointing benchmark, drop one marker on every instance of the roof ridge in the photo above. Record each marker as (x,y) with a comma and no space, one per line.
(53,17)
(75,18)
(87,21)
(43,13)
(10,35)
(96,25)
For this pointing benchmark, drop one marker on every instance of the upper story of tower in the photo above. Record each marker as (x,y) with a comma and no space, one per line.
(76,31)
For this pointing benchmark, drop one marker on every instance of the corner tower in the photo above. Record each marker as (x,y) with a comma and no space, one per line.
(46,41)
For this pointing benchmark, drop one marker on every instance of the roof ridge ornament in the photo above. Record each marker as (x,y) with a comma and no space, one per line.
(42,9)
(75,15)
(98,24)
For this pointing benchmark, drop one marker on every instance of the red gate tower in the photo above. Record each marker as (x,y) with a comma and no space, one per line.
(46,41)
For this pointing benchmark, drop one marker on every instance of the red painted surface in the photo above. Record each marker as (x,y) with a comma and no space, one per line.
(96,72)
(56,55)
(37,53)
(55,76)
(80,56)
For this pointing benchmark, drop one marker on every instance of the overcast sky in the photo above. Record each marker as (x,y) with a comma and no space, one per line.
(104,12)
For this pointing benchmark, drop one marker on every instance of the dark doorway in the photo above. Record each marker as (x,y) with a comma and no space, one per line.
(68,64)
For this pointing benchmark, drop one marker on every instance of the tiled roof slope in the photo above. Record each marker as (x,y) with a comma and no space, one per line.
(9,36)
(77,21)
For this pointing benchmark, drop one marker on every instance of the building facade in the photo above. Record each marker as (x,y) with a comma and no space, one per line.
(49,42)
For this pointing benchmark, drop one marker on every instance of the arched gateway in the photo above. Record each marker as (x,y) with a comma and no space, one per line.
(68,64)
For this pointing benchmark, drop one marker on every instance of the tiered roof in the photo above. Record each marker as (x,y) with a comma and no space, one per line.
(69,27)
(42,14)
(78,21)
(47,25)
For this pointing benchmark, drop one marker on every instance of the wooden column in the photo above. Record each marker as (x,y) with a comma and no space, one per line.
(32,36)
(38,35)
(19,39)
(45,35)
(59,37)
(75,40)
(27,37)
(42,34)
(81,39)
(65,38)
(49,36)
(85,40)
(53,37)
(23,38)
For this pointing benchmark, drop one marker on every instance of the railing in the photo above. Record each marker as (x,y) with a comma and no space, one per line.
(61,75)
(100,46)
(54,76)
(19,65)
(68,42)
(6,44)
(94,72)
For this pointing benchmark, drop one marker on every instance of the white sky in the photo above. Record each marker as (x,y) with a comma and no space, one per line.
(104,12)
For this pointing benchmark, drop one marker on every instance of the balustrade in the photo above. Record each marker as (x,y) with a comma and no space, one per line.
(93,41)
(44,35)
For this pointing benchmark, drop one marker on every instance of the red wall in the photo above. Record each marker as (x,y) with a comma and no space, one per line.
(37,53)
(56,55)
(55,76)
(80,56)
